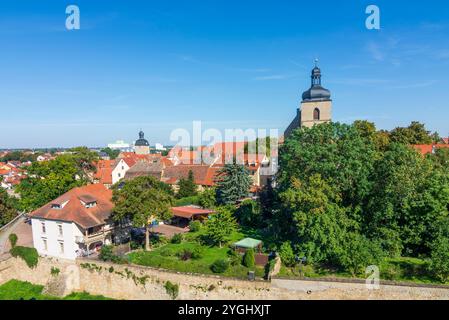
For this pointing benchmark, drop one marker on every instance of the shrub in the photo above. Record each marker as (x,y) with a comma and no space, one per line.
(235,258)
(177,238)
(106,253)
(54,271)
(248,259)
(287,255)
(167,252)
(185,254)
(219,266)
(29,255)
(172,289)
(197,253)
(195,226)
(13,239)
(194,200)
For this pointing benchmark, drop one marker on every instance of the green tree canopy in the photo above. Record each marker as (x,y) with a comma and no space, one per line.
(187,187)
(7,208)
(141,200)
(219,228)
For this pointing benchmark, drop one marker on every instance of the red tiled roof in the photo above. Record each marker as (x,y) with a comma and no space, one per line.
(428,148)
(202,174)
(189,212)
(104,171)
(75,211)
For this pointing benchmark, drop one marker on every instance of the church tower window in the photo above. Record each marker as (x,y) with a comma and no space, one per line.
(316,114)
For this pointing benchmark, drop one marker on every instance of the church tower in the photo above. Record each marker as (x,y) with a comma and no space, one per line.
(316,105)
(142,146)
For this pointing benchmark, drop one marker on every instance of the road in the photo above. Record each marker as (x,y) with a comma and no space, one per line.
(23,232)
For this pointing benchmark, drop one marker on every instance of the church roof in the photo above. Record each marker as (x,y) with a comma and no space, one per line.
(316,91)
(142,142)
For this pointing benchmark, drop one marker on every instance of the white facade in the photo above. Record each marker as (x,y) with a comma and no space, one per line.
(56,238)
(119,171)
(120,145)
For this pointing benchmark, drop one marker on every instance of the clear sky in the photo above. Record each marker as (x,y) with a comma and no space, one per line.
(159,65)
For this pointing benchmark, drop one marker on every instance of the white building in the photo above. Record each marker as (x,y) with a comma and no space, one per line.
(120,145)
(120,169)
(76,224)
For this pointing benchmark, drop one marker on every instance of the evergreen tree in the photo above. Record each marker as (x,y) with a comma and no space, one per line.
(233,184)
(187,187)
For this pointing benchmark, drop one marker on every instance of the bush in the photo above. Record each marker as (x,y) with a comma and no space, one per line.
(197,253)
(54,271)
(177,238)
(219,266)
(167,252)
(195,226)
(187,201)
(172,289)
(287,255)
(106,253)
(29,255)
(235,258)
(185,254)
(248,259)
(439,260)
(13,239)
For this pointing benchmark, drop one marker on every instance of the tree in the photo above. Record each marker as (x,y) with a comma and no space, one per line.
(248,259)
(206,199)
(415,133)
(7,208)
(142,200)
(287,255)
(220,226)
(409,194)
(249,214)
(187,187)
(337,152)
(233,184)
(112,154)
(48,180)
(314,220)
(358,253)
(439,259)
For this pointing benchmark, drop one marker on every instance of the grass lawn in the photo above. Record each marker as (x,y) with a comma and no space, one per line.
(393,269)
(166,257)
(20,290)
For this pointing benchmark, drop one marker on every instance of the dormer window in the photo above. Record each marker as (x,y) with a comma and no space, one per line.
(55,206)
(91,204)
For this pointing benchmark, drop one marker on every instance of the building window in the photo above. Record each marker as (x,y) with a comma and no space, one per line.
(119,175)
(61,247)
(60,230)
(44,241)
(316,114)
(43,227)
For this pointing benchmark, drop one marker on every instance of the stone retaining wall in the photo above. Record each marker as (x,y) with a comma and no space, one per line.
(135,282)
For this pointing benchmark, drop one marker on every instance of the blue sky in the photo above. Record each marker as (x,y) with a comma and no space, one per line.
(159,65)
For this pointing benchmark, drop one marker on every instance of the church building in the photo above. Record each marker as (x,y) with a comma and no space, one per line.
(316,105)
